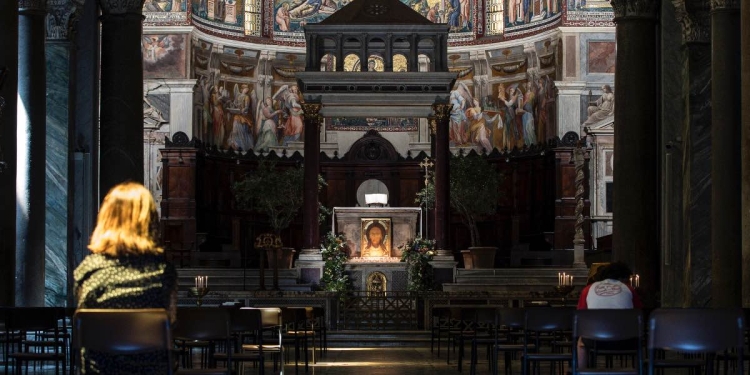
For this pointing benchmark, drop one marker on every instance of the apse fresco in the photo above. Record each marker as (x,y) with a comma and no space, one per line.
(517,115)
(521,14)
(164,56)
(220,12)
(588,13)
(290,16)
(169,12)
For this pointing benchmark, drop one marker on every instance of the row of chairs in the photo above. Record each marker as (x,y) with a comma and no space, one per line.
(717,334)
(222,335)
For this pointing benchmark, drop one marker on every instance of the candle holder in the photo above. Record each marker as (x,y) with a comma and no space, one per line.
(199,292)
(563,291)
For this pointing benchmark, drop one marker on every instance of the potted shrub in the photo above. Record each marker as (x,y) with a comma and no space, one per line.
(474,187)
(276,193)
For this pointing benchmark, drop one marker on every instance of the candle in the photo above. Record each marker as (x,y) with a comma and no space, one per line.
(559,278)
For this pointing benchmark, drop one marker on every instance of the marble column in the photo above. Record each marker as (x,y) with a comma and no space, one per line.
(310,225)
(59,98)
(745,32)
(636,165)
(8,89)
(726,171)
(310,263)
(121,108)
(31,154)
(442,178)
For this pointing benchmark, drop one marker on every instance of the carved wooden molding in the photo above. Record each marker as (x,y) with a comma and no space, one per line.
(635,8)
(372,147)
(121,6)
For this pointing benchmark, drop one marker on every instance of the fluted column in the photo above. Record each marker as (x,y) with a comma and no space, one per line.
(636,164)
(442,178)
(31,154)
(726,170)
(745,32)
(310,225)
(121,108)
(8,89)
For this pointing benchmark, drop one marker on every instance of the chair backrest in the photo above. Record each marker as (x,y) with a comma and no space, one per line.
(549,319)
(128,331)
(696,330)
(246,320)
(513,318)
(202,323)
(608,324)
(33,318)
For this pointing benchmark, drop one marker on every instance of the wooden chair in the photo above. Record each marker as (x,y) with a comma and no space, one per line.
(205,324)
(128,332)
(555,323)
(22,321)
(704,331)
(270,341)
(609,326)
(246,324)
(511,321)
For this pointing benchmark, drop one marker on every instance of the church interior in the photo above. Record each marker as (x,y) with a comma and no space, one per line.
(489,152)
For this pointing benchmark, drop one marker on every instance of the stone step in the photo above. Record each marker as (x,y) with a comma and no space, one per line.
(524,272)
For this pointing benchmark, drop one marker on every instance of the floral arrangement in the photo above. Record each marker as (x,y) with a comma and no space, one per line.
(334,278)
(417,254)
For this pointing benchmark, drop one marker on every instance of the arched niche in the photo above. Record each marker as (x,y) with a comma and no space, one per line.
(425,63)
(401,43)
(328,63)
(352,43)
(351,63)
(400,63)
(376,44)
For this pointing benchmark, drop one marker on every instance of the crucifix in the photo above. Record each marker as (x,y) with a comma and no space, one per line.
(427,164)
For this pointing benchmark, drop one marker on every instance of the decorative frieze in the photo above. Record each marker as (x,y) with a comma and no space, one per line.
(110,7)
(635,8)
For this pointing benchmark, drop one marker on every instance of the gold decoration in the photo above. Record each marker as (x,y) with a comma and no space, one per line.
(312,114)
(268,241)
(400,64)
(442,112)
(432,123)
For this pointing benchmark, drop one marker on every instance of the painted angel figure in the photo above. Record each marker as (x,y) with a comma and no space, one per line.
(461,99)
(291,122)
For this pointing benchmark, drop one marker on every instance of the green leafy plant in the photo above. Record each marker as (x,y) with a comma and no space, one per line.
(417,254)
(275,192)
(333,250)
(474,185)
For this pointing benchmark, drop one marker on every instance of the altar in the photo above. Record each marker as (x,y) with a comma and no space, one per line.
(373,236)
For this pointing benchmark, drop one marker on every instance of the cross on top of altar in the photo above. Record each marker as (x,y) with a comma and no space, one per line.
(427,164)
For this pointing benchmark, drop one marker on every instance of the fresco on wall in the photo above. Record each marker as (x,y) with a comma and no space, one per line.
(164,56)
(601,56)
(226,12)
(170,12)
(588,13)
(517,115)
(520,14)
(290,16)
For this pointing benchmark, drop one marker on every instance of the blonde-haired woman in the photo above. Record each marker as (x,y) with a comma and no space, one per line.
(126,270)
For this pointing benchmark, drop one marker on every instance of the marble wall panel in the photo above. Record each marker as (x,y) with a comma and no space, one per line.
(56,240)
(597,52)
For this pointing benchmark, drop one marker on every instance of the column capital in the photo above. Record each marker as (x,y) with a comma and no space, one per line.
(110,7)
(32,6)
(432,123)
(635,8)
(725,5)
(696,25)
(312,114)
(62,16)
(442,112)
